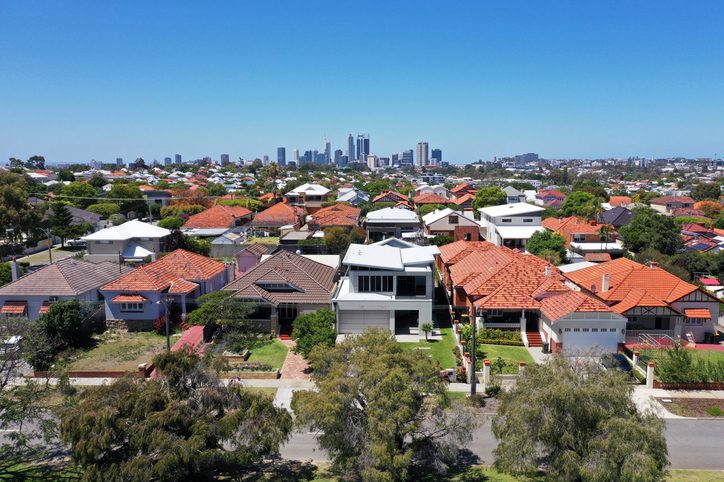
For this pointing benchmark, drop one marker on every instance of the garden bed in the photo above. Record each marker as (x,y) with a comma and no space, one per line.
(694,407)
(116,352)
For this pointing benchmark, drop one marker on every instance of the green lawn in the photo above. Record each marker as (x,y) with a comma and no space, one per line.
(511,354)
(41,257)
(441,351)
(119,351)
(655,355)
(691,475)
(269,240)
(272,353)
(270,392)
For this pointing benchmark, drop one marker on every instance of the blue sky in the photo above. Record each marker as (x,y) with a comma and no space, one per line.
(101,79)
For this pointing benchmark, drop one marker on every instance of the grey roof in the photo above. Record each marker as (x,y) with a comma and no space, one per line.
(617,216)
(67,277)
(80,216)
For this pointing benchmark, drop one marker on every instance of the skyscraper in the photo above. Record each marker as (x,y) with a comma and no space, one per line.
(282,156)
(166,161)
(363,147)
(224,159)
(422,154)
(350,149)
(119,162)
(372,161)
(177,159)
(327,151)
(407,159)
(436,156)
(295,155)
(338,156)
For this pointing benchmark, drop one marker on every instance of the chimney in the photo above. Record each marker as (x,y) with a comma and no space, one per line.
(14,270)
(604,282)
(549,270)
(653,264)
(153,256)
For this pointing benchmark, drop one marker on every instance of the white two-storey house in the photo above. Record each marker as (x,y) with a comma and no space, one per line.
(510,225)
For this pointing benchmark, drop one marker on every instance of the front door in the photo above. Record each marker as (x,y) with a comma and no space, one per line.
(658,323)
(287,315)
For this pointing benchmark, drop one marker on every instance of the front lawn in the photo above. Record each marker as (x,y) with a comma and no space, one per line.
(272,352)
(441,351)
(270,392)
(119,351)
(652,354)
(512,355)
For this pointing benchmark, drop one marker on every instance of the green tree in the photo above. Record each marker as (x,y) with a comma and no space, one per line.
(221,308)
(6,273)
(58,329)
(104,209)
(336,240)
(16,216)
(545,243)
(65,175)
(128,198)
(314,329)
(442,240)
(648,229)
(61,223)
(582,204)
(706,190)
(186,425)
(380,409)
(488,196)
(663,261)
(215,189)
(581,423)
(592,187)
(36,162)
(172,222)
(97,181)
(250,204)
(80,193)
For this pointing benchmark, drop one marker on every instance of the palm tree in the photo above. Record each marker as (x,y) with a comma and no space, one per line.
(605,232)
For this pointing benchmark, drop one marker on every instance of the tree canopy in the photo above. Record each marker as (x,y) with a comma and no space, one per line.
(314,329)
(648,229)
(489,196)
(706,190)
(580,422)
(582,204)
(80,193)
(380,410)
(545,244)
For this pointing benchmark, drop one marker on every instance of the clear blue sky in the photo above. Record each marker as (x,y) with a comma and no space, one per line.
(101,79)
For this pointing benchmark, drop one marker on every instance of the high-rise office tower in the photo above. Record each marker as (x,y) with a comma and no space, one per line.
(282,156)
(436,156)
(363,147)
(166,161)
(265,160)
(407,159)
(119,161)
(177,159)
(372,161)
(338,156)
(394,159)
(295,155)
(422,154)
(224,159)
(327,151)
(350,149)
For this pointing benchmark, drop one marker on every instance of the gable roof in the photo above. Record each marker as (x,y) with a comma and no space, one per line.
(454,252)
(336,215)
(431,198)
(308,189)
(672,199)
(392,215)
(462,187)
(619,201)
(617,216)
(564,303)
(172,271)
(394,196)
(128,230)
(314,282)
(280,214)
(218,216)
(67,277)
(465,198)
(439,214)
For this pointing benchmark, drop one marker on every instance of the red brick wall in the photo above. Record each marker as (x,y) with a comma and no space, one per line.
(473,231)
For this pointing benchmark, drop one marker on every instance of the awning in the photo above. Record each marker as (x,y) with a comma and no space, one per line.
(697,313)
(129,299)
(14,308)
(44,308)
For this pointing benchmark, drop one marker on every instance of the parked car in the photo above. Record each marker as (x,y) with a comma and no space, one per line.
(78,243)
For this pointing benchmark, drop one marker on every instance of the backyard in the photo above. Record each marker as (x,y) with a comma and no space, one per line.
(271,353)
(440,350)
(119,351)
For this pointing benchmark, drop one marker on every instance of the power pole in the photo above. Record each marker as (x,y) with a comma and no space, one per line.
(473,381)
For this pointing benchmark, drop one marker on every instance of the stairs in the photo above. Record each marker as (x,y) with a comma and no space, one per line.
(285,331)
(534,338)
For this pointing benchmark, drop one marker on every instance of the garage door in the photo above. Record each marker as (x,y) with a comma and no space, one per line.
(584,342)
(359,321)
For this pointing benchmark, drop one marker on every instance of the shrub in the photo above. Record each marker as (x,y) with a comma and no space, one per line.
(313,329)
(104,209)
(180,209)
(171,222)
(493,390)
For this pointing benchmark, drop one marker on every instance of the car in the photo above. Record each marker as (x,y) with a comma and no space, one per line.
(11,344)
(76,243)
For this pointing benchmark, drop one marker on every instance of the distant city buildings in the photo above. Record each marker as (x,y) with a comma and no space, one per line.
(522,159)
(177,159)
(119,162)
(166,161)
(224,159)
(407,158)
(350,149)
(363,147)
(327,151)
(436,156)
(338,156)
(422,154)
(282,155)
(372,161)
(295,155)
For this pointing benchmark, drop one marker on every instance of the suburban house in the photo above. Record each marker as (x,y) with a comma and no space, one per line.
(505,289)
(669,204)
(335,216)
(249,256)
(80,216)
(159,197)
(617,201)
(387,285)
(270,221)
(616,217)
(227,245)
(133,241)
(438,189)
(308,196)
(431,198)
(352,195)
(465,202)
(510,225)
(216,220)
(391,223)
(282,287)
(178,278)
(656,303)
(456,224)
(463,189)
(391,197)
(583,238)
(697,237)
(550,198)
(68,279)
(514,195)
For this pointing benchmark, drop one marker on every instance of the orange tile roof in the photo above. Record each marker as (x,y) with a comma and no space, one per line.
(454,252)
(563,304)
(217,217)
(431,198)
(462,187)
(164,273)
(697,313)
(277,215)
(597,257)
(396,196)
(14,308)
(673,199)
(619,201)
(336,215)
(567,227)
(463,199)
(129,299)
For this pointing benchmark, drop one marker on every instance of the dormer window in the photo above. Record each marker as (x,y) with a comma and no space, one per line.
(452,219)
(276,286)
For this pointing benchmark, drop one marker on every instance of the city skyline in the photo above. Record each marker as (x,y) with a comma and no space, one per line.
(566,80)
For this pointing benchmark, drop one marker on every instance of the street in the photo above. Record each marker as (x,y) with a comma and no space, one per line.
(693,444)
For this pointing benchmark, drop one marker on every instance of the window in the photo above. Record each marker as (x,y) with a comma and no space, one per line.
(594,330)
(104,241)
(374,284)
(694,321)
(467,237)
(452,219)
(131,307)
(585,330)
(276,286)
(579,238)
(495,312)
(613,330)
(506,220)
(566,329)
(411,286)
(576,330)
(527,220)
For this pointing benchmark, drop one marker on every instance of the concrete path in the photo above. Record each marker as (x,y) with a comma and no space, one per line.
(537,353)
(645,399)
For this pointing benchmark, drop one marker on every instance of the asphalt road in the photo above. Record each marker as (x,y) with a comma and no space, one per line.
(693,444)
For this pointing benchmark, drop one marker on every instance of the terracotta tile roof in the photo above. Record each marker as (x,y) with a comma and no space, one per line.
(565,303)
(463,199)
(568,227)
(311,282)
(673,199)
(431,198)
(182,287)
(695,228)
(280,214)
(687,212)
(258,249)
(129,299)
(697,313)
(67,277)
(462,187)
(454,252)
(552,193)
(632,284)
(614,201)
(597,257)
(390,196)
(164,273)
(218,217)
(336,215)
(14,308)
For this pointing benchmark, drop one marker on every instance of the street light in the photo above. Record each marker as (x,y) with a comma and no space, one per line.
(168,336)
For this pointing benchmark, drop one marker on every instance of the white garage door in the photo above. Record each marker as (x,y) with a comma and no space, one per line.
(358,321)
(584,342)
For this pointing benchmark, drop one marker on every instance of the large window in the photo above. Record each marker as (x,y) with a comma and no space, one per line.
(579,238)
(131,307)
(374,284)
(411,286)
(452,219)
